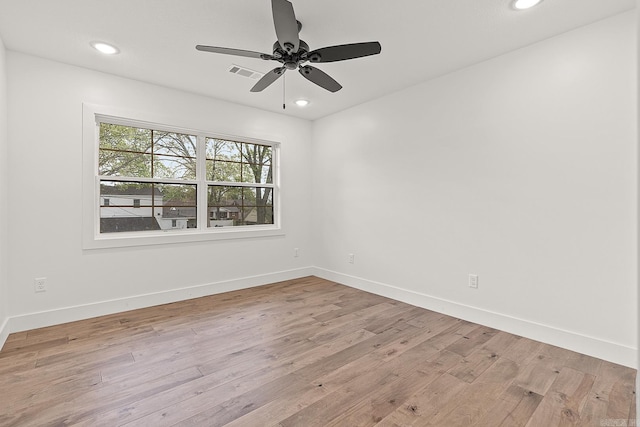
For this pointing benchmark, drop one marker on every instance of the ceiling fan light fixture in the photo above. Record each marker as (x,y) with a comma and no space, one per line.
(302,102)
(525,4)
(105,48)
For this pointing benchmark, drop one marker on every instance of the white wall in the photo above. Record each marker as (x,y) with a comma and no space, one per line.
(4,195)
(45,116)
(521,169)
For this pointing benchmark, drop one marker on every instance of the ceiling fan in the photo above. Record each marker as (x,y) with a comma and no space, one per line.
(293,53)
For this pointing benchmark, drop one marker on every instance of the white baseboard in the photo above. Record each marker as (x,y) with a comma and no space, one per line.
(71,314)
(591,346)
(602,349)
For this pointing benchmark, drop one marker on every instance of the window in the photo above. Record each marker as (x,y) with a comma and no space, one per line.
(150,173)
(240,181)
(155,181)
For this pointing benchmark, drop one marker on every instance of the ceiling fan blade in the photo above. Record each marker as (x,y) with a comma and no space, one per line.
(236,52)
(268,78)
(344,51)
(320,78)
(284,19)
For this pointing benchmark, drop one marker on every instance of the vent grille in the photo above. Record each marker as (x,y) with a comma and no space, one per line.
(245,72)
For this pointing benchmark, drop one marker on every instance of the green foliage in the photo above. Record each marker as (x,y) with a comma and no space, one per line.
(178,194)
(136,152)
(122,151)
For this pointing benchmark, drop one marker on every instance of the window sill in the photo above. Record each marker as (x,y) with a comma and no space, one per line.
(120,240)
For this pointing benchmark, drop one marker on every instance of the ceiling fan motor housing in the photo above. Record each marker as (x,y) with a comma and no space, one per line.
(290,60)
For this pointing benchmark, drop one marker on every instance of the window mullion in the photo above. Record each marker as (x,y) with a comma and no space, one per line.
(201,177)
(240,184)
(146,180)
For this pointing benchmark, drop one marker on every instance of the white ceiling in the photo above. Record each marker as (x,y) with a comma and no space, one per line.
(421,39)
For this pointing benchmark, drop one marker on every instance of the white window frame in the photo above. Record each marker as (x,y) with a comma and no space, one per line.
(91,236)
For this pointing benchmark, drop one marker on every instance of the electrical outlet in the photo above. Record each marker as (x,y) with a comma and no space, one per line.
(352,258)
(473,281)
(296,252)
(40,284)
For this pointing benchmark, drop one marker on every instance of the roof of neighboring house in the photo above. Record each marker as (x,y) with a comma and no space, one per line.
(112,225)
(178,202)
(224,208)
(179,212)
(178,208)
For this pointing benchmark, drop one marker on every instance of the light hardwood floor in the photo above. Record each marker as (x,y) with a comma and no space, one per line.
(306,352)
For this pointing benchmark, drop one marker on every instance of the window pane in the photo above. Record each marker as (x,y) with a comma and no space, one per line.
(175,144)
(261,195)
(135,206)
(256,173)
(233,206)
(125,138)
(256,154)
(221,195)
(256,215)
(220,149)
(118,163)
(174,167)
(179,204)
(122,151)
(223,171)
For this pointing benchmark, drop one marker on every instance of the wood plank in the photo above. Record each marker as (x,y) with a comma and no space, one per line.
(480,359)
(474,365)
(473,402)
(426,403)
(611,396)
(513,409)
(541,369)
(413,375)
(437,338)
(562,405)
(469,342)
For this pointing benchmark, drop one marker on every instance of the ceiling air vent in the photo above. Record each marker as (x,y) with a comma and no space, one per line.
(245,72)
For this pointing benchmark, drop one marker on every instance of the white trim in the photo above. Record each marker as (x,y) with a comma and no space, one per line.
(122,240)
(91,237)
(592,346)
(80,312)
(4,332)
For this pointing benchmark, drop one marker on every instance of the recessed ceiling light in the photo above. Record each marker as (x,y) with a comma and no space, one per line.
(105,48)
(525,4)
(302,102)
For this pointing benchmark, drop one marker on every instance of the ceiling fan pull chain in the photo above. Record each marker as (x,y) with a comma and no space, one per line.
(284,79)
